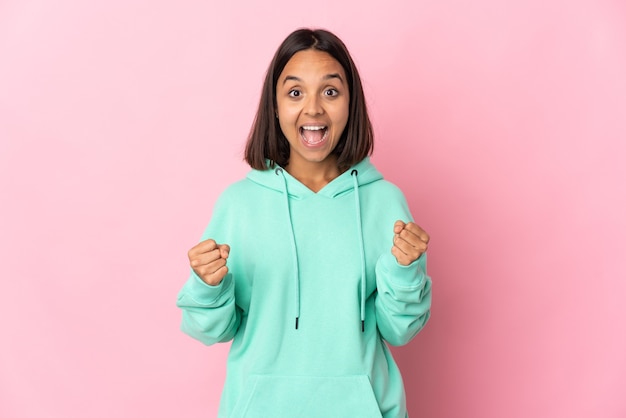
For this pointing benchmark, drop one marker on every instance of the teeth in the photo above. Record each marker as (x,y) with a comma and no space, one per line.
(313,128)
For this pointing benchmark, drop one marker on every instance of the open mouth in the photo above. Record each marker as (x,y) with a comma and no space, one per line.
(313,134)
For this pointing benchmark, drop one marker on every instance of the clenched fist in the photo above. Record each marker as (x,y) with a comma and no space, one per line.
(409,242)
(208,260)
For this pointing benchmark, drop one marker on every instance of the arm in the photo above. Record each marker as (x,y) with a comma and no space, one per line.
(207,299)
(404,297)
(209,312)
(403,300)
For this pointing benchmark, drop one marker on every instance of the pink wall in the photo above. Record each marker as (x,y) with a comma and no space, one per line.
(503,121)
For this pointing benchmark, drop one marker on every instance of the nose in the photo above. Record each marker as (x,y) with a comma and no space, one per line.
(313,106)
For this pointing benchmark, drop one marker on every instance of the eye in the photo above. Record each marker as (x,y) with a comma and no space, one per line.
(294,93)
(331,92)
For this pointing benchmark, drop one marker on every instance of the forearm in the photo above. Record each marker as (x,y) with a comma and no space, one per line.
(210,314)
(403,300)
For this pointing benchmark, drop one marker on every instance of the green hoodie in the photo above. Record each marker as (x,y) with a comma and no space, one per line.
(306,342)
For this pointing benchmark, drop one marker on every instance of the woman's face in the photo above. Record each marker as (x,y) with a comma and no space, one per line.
(313,100)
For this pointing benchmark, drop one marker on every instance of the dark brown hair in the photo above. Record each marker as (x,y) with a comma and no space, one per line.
(266,140)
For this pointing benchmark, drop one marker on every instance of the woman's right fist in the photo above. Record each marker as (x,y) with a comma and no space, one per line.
(208,261)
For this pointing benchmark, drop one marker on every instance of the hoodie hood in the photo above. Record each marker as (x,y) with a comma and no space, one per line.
(281,181)
(367,173)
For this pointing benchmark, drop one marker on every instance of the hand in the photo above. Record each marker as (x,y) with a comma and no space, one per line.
(409,242)
(208,260)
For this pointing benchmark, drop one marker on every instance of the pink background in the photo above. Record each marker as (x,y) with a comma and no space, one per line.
(503,122)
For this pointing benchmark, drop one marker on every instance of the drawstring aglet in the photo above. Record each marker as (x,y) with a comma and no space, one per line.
(362,325)
(297,322)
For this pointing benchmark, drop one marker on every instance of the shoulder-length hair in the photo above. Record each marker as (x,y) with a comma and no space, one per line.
(267,141)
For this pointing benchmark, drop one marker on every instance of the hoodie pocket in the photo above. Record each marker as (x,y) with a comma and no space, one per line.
(307,397)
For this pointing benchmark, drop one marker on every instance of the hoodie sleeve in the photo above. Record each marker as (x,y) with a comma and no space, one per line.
(209,312)
(403,300)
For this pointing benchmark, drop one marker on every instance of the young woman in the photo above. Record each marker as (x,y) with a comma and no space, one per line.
(312,263)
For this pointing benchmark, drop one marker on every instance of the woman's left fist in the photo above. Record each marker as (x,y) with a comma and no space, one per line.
(409,242)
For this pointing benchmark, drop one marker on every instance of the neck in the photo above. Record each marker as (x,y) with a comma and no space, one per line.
(314,175)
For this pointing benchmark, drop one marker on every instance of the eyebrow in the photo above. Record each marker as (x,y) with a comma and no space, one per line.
(326,77)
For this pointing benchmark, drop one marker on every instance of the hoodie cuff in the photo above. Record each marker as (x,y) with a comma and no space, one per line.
(205,294)
(410,277)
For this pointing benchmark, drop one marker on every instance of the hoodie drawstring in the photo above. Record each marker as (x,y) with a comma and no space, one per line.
(354,174)
(359,225)
(279,172)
